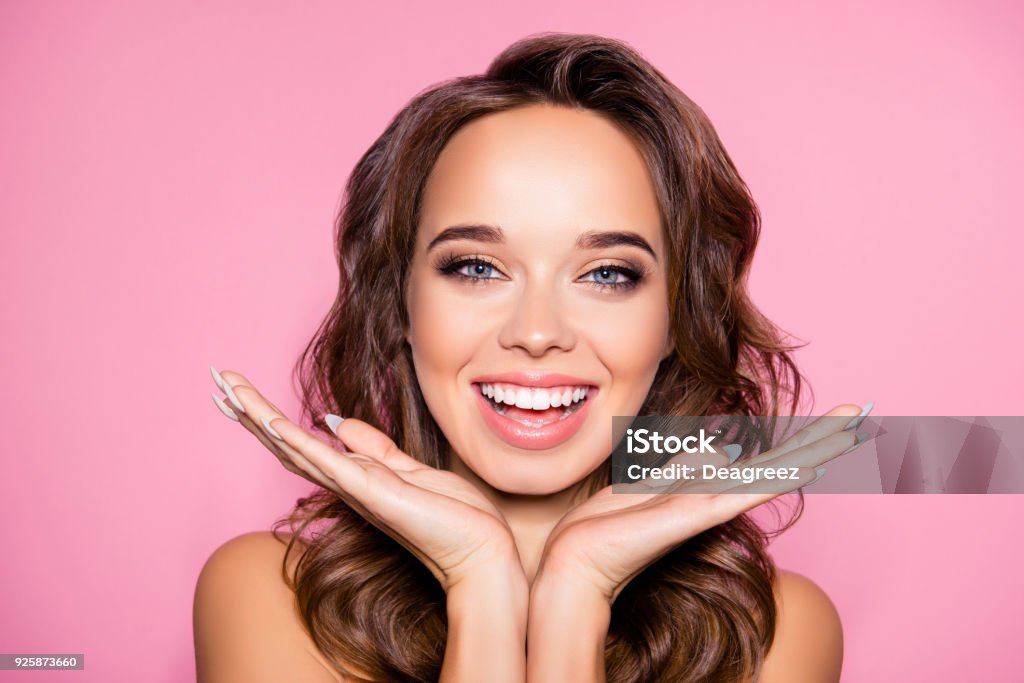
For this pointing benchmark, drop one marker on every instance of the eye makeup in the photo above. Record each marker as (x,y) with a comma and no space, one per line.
(476,269)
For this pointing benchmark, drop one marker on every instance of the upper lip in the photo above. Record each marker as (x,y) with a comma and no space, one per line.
(534,379)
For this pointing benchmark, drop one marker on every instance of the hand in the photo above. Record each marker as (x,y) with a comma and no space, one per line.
(437,515)
(607,540)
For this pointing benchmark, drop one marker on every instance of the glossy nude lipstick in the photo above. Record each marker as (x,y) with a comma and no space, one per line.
(532,410)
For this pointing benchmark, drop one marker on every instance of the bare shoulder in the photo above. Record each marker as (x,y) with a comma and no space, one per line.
(808,643)
(246,622)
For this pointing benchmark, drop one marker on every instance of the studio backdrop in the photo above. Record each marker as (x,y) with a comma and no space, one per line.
(169,174)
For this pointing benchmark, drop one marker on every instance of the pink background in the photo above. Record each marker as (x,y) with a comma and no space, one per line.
(169,177)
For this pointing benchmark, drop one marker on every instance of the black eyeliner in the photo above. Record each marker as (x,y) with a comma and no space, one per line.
(449,265)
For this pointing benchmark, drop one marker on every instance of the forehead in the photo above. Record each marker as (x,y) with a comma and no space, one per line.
(541,168)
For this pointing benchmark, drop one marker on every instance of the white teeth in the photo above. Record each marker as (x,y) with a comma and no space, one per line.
(524,398)
(533,398)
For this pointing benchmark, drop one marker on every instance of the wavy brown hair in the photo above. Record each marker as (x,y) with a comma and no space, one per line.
(703,612)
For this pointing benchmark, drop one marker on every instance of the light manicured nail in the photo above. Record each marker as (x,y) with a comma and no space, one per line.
(855,422)
(226,388)
(733,450)
(223,408)
(270,430)
(234,399)
(819,473)
(861,438)
(333,421)
(217,379)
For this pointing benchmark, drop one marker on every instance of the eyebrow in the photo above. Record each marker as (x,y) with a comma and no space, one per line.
(592,239)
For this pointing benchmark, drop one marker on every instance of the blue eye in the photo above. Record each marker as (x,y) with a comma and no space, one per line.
(478,270)
(605,275)
(611,277)
(472,269)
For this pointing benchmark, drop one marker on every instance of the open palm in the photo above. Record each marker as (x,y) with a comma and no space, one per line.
(612,536)
(436,514)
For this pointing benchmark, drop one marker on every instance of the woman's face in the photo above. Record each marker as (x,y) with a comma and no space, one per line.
(539,275)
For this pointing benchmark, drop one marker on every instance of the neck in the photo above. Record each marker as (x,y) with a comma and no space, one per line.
(530,517)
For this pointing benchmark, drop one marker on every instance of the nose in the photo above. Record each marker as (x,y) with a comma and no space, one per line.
(536,323)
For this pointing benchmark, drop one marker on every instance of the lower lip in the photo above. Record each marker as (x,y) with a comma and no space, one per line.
(533,438)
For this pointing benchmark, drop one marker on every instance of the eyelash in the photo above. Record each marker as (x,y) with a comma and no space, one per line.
(449,265)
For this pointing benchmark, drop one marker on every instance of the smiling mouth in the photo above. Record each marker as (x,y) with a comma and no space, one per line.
(532,407)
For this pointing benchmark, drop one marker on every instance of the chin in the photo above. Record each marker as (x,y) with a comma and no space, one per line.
(533,479)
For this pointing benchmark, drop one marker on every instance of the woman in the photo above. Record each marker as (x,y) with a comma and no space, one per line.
(525,254)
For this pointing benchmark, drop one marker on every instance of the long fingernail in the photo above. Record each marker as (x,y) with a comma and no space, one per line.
(234,399)
(217,379)
(734,450)
(861,438)
(819,473)
(226,388)
(855,422)
(333,421)
(270,430)
(223,407)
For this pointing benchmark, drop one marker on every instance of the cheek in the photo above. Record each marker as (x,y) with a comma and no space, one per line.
(442,336)
(632,343)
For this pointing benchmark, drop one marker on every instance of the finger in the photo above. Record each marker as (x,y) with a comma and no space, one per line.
(290,459)
(770,488)
(779,481)
(718,483)
(260,411)
(340,468)
(295,461)
(226,388)
(248,401)
(832,422)
(362,437)
(693,462)
(254,409)
(403,510)
(391,502)
(644,486)
(356,435)
(365,459)
(719,456)
(739,499)
(233,382)
(816,453)
(338,473)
